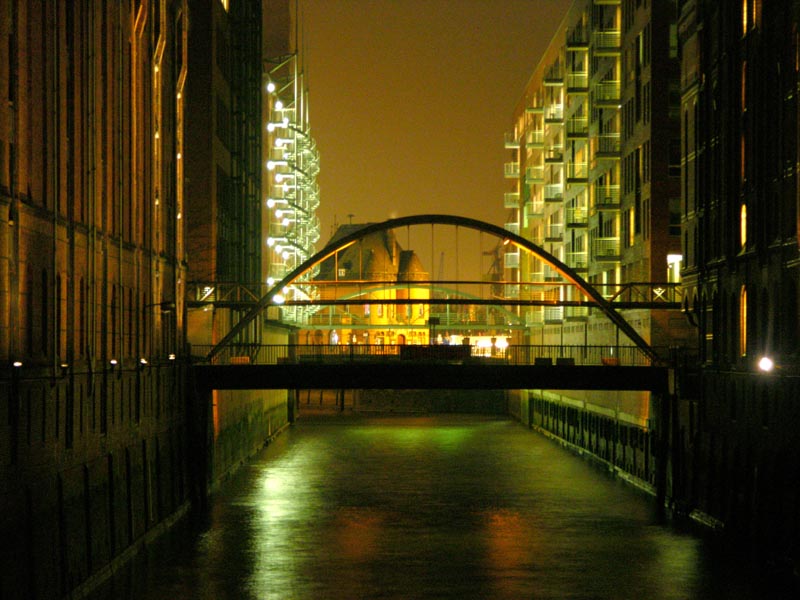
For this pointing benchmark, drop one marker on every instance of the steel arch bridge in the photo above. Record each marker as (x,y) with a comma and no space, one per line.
(592,295)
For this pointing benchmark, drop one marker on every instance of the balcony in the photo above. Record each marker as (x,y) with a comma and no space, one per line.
(554,113)
(534,138)
(534,316)
(511,260)
(550,274)
(606,42)
(553,314)
(577,172)
(512,228)
(553,156)
(554,192)
(534,175)
(512,170)
(606,94)
(535,110)
(577,40)
(511,141)
(554,76)
(606,249)
(554,232)
(577,216)
(578,83)
(511,200)
(577,127)
(579,261)
(534,209)
(606,197)
(576,313)
(608,145)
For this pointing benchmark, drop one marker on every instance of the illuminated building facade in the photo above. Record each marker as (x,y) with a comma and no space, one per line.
(372,270)
(291,161)
(92,278)
(741,225)
(595,176)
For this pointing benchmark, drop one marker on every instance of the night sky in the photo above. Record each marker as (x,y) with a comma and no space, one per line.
(409,101)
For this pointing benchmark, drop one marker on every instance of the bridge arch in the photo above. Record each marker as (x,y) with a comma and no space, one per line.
(437,219)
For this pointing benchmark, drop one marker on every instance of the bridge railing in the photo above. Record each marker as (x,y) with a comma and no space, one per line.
(555,354)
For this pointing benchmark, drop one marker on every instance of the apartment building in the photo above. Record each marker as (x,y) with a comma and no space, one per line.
(595,175)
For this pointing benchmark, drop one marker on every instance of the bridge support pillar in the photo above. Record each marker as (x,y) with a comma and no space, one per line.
(664,407)
(200,442)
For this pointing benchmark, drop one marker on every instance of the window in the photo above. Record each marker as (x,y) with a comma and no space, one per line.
(744,17)
(743,225)
(44,324)
(743,321)
(744,86)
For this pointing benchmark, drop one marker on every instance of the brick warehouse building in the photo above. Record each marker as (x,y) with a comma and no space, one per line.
(91,284)
(736,449)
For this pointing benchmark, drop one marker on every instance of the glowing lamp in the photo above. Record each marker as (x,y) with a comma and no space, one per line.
(766,364)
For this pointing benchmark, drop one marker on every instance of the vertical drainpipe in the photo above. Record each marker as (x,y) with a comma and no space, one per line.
(56,197)
(14,217)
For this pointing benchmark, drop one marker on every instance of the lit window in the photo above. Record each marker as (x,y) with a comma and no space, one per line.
(744,86)
(743,225)
(744,17)
(743,321)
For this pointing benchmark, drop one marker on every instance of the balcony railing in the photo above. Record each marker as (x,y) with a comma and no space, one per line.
(578,81)
(576,312)
(554,113)
(534,138)
(577,216)
(512,170)
(577,171)
(534,209)
(578,39)
(512,227)
(553,156)
(606,197)
(511,200)
(608,145)
(606,41)
(553,192)
(553,314)
(511,260)
(577,127)
(554,232)
(606,93)
(511,140)
(534,174)
(578,260)
(554,75)
(605,249)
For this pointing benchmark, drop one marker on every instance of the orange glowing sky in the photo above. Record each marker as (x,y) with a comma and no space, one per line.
(409,101)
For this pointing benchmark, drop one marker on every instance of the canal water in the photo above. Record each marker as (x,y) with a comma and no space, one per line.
(430,507)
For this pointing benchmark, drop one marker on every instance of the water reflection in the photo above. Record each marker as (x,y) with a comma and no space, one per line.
(444,507)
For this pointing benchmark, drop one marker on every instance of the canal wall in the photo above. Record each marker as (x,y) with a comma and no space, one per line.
(621,440)
(492,402)
(243,422)
(93,466)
